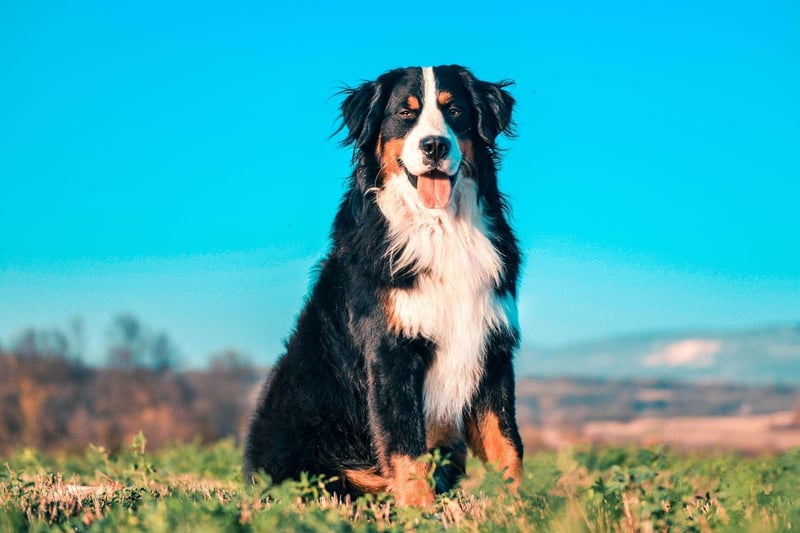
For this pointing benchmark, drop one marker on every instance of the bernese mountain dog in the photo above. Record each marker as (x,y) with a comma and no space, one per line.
(405,342)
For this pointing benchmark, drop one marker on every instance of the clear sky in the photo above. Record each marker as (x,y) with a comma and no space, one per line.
(172,160)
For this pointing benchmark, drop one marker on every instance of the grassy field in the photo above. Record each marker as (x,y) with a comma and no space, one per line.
(197,488)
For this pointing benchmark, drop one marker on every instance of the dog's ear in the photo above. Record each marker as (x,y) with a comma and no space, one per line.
(359,113)
(362,112)
(493,105)
(363,109)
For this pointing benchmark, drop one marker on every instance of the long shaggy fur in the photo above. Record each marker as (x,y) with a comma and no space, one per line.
(405,342)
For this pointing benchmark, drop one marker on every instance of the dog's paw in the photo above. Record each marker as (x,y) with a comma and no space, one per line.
(413,494)
(410,484)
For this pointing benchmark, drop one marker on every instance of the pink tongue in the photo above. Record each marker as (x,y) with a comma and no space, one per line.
(434,192)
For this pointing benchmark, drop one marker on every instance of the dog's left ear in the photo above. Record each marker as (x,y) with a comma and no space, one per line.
(493,105)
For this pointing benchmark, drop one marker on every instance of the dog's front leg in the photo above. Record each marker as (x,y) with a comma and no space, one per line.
(492,432)
(396,374)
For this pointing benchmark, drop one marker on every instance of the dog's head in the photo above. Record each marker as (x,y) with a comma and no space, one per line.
(432,126)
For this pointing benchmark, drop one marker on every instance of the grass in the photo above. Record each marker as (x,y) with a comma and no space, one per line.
(200,488)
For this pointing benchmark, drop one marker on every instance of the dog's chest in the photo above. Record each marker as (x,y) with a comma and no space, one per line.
(455,305)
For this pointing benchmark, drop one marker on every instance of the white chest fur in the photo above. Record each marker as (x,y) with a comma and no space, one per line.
(454,303)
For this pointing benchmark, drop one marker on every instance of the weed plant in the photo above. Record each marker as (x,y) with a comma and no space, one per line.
(191,487)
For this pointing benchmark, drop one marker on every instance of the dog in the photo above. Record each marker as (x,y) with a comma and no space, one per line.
(405,342)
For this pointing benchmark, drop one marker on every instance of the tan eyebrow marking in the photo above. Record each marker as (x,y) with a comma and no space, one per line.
(413,102)
(444,98)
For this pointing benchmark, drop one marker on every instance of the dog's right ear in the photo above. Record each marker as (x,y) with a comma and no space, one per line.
(363,109)
(361,114)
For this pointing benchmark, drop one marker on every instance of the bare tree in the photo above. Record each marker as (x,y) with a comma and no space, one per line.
(134,345)
(127,343)
(163,355)
(41,343)
(77,331)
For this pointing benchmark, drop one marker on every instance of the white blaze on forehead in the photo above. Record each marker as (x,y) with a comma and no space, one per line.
(431,117)
(430,122)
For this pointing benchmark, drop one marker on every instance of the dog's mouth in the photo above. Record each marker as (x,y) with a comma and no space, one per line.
(434,187)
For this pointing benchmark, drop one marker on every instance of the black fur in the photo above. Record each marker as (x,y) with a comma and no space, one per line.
(348,392)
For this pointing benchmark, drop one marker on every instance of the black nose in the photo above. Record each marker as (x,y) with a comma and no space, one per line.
(434,148)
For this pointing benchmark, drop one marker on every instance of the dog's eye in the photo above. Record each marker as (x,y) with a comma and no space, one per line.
(405,113)
(454,112)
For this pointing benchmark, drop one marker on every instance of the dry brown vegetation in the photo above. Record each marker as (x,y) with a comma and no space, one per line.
(54,402)
(554,413)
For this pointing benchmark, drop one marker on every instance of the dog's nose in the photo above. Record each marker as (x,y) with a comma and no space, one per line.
(434,147)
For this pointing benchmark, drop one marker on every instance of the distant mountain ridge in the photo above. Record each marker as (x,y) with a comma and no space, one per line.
(754,356)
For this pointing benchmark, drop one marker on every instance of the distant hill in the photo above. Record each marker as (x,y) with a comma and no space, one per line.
(755,356)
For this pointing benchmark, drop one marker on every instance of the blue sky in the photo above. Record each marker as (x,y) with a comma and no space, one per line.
(173,160)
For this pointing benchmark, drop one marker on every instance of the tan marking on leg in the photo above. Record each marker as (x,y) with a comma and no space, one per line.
(368,480)
(490,445)
(413,103)
(409,482)
(444,97)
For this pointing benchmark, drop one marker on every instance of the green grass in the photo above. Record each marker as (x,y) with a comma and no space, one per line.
(197,488)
